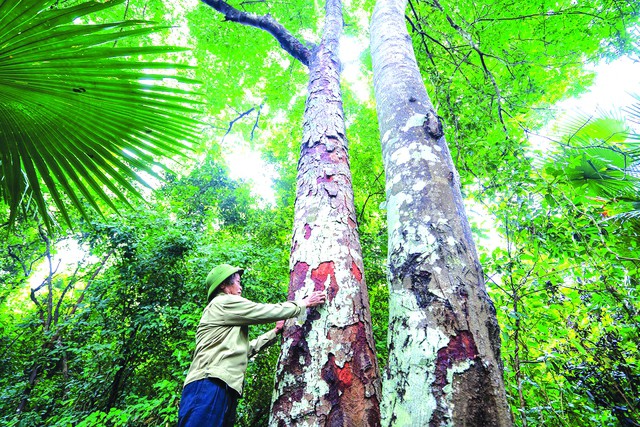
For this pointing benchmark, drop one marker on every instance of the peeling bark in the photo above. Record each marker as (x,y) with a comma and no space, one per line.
(444,343)
(327,373)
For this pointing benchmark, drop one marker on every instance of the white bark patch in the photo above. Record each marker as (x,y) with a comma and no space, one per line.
(442,220)
(302,317)
(414,371)
(408,238)
(437,292)
(414,152)
(392,141)
(423,152)
(419,186)
(385,136)
(455,369)
(448,388)
(394,209)
(419,241)
(401,156)
(415,120)
(309,403)
(392,182)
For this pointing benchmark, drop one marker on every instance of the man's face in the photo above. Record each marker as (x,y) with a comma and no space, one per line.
(234,288)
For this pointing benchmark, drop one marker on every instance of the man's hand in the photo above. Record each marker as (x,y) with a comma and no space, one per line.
(279,326)
(316,298)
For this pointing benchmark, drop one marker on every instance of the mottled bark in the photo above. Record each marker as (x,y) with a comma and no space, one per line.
(327,373)
(444,344)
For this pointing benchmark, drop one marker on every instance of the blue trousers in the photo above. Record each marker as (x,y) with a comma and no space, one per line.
(207,403)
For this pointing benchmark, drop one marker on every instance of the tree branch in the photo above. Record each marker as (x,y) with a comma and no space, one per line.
(292,45)
(233,122)
(418,29)
(72,281)
(26,271)
(90,281)
(255,125)
(559,13)
(469,38)
(360,216)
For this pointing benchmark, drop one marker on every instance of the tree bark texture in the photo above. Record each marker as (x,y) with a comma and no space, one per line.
(327,373)
(444,343)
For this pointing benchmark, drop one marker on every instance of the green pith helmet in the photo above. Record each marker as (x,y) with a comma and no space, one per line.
(218,274)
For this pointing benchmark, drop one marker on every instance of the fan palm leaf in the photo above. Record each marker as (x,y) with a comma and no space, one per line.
(599,155)
(80,118)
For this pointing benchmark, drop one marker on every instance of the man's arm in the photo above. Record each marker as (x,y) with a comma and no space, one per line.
(265,340)
(239,311)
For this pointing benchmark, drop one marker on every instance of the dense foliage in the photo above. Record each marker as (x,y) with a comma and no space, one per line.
(104,335)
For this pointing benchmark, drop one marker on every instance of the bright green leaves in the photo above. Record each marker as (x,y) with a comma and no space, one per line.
(600,171)
(563,285)
(79,117)
(134,305)
(599,157)
(493,68)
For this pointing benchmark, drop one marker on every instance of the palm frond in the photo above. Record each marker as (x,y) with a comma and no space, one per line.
(80,118)
(600,156)
(633,111)
(581,129)
(632,215)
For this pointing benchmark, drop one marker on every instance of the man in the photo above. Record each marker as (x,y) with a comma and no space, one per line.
(214,381)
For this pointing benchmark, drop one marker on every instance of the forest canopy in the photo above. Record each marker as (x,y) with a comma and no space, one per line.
(118,121)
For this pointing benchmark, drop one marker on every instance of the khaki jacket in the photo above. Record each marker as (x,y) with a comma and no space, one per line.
(222,344)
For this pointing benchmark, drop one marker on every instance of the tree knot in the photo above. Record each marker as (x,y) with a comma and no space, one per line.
(433,125)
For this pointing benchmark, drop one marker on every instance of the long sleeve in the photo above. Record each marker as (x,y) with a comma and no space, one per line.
(263,341)
(222,344)
(234,310)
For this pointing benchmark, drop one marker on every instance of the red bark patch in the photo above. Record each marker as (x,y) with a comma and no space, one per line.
(356,271)
(352,223)
(345,377)
(339,378)
(461,347)
(347,384)
(307,231)
(297,276)
(319,277)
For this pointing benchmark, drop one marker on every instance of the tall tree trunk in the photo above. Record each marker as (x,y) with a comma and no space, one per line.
(444,343)
(327,373)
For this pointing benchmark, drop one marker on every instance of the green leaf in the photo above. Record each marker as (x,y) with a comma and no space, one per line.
(79,118)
